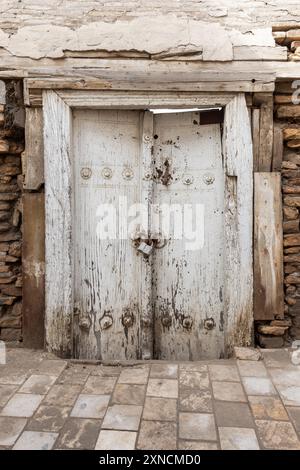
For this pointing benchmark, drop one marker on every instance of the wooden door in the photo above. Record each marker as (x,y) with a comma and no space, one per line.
(107,271)
(187,275)
(168,305)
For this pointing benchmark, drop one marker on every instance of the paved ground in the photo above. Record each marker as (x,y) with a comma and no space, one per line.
(47,403)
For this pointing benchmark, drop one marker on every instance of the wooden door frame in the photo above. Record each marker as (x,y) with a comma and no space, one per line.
(238,204)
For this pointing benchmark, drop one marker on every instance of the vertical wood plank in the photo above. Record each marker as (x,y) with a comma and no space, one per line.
(266,135)
(237,149)
(33,263)
(58,206)
(268,256)
(255,137)
(277,148)
(33,161)
(147,326)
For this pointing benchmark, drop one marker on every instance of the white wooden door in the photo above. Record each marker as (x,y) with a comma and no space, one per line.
(188,271)
(107,271)
(168,305)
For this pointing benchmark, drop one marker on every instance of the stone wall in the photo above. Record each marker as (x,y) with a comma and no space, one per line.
(11,147)
(278,333)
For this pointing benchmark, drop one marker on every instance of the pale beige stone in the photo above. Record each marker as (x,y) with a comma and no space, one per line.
(22,405)
(194,379)
(166,371)
(199,426)
(129,394)
(252,368)
(10,429)
(39,384)
(157,435)
(258,386)
(6,391)
(123,417)
(232,438)
(116,440)
(165,388)
(278,435)
(62,395)
(90,406)
(33,440)
(160,409)
(99,385)
(228,391)
(223,372)
(134,375)
(196,445)
(267,408)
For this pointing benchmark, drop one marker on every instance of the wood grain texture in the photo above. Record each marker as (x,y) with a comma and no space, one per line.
(108,270)
(33,264)
(237,150)
(147,314)
(268,257)
(58,201)
(277,148)
(255,137)
(188,280)
(34,154)
(266,135)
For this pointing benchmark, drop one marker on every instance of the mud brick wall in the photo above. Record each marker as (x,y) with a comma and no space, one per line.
(11,147)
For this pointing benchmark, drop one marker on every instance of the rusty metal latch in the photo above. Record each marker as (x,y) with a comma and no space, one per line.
(145,244)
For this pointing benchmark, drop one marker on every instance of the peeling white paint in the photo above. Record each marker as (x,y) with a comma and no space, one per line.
(153,35)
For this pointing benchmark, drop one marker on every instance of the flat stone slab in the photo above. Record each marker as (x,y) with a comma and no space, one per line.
(229,414)
(90,406)
(166,371)
(157,435)
(10,429)
(222,372)
(258,386)
(228,391)
(22,405)
(252,369)
(160,409)
(289,395)
(267,408)
(62,395)
(39,384)
(32,440)
(116,440)
(50,418)
(233,438)
(222,404)
(123,417)
(129,394)
(79,434)
(99,385)
(199,426)
(277,435)
(164,388)
(6,391)
(194,379)
(134,375)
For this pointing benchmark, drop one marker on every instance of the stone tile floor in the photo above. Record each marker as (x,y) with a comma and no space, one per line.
(48,403)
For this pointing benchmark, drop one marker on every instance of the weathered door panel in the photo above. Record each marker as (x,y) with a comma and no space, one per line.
(188,277)
(107,272)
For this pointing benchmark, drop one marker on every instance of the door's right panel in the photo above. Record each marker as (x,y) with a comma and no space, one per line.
(188,271)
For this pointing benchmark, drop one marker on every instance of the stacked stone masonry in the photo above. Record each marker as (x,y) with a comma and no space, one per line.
(11,147)
(287,116)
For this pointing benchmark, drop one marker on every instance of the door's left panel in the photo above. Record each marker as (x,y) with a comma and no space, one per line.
(107,271)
